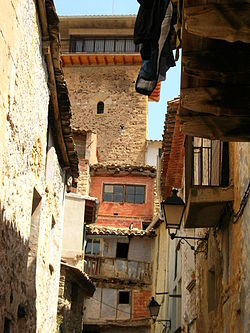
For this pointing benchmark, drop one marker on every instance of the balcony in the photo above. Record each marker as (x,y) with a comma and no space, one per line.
(207,188)
(115,269)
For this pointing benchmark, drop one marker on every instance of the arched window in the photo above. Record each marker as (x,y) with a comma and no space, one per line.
(100,107)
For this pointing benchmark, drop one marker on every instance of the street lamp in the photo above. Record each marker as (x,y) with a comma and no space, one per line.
(154,308)
(173,208)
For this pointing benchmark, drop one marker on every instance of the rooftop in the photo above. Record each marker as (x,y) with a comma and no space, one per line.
(111,231)
(114,169)
(83,277)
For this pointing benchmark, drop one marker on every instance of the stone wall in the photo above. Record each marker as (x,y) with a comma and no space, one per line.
(31,181)
(223,275)
(70,304)
(83,183)
(122,128)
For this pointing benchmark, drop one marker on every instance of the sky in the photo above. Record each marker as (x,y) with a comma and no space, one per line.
(169,89)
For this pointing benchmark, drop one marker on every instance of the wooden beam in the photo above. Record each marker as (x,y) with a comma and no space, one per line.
(217,100)
(224,65)
(215,127)
(52,81)
(230,22)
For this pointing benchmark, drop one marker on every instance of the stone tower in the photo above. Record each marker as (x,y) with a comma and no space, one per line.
(101,64)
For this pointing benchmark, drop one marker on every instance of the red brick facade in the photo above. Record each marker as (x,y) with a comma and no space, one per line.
(176,160)
(173,151)
(115,214)
(141,298)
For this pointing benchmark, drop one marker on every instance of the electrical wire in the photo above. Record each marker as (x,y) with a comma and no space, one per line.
(110,306)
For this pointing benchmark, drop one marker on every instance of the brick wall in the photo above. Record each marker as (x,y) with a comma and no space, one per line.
(141,298)
(167,141)
(173,151)
(122,129)
(176,160)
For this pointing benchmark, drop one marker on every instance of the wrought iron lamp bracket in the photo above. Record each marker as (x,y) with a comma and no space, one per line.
(165,323)
(186,238)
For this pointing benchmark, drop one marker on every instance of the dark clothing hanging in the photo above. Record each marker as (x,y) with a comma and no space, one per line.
(152,28)
(149,19)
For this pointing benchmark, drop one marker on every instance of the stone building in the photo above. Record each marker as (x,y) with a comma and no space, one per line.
(214,105)
(101,64)
(80,211)
(119,253)
(209,279)
(167,268)
(37,162)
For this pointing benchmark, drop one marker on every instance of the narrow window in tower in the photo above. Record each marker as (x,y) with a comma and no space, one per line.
(100,108)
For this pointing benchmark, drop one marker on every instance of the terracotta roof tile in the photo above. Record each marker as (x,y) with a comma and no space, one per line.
(84,278)
(111,231)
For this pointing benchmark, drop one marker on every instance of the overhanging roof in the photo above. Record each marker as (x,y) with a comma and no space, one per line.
(60,103)
(99,230)
(83,279)
(215,82)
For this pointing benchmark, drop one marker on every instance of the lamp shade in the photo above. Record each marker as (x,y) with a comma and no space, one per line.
(154,308)
(173,209)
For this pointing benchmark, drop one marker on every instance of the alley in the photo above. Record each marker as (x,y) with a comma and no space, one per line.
(105,228)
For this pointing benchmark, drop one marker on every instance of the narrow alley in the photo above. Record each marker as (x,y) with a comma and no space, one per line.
(104,227)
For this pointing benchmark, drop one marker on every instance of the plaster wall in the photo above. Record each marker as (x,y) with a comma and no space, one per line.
(122,128)
(73,226)
(105,301)
(160,273)
(152,152)
(136,268)
(27,282)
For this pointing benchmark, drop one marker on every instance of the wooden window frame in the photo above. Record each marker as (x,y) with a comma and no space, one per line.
(124,193)
(92,240)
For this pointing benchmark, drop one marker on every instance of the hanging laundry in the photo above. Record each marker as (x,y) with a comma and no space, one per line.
(178,28)
(152,31)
